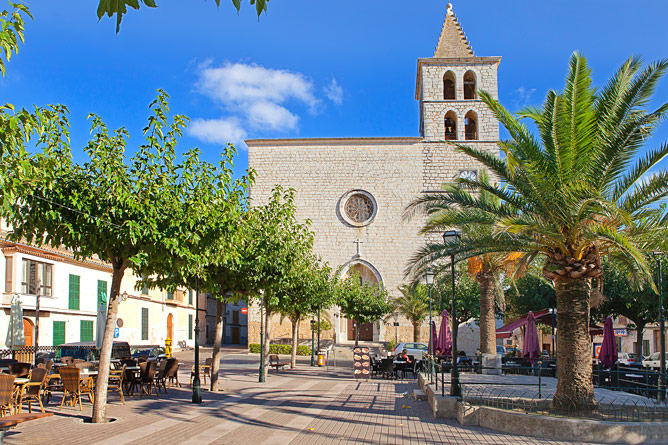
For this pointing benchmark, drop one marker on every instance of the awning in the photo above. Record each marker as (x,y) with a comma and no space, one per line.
(544,317)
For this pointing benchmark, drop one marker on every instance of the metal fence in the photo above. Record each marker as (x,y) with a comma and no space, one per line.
(27,353)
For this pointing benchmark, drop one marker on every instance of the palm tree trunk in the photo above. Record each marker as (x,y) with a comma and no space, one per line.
(575,389)
(100,405)
(218,339)
(295,342)
(640,329)
(416,332)
(487,284)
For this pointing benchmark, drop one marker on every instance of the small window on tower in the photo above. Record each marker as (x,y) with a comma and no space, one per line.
(471,126)
(469,85)
(449,86)
(450,126)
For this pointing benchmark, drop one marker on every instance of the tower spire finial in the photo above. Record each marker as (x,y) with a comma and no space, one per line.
(453,42)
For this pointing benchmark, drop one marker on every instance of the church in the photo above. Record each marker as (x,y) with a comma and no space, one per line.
(355,190)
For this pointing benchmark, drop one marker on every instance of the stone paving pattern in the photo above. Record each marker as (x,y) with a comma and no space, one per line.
(301,406)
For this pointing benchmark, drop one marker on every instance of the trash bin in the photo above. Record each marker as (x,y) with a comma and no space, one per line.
(322,360)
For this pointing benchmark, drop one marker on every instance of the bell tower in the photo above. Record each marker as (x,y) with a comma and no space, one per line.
(447,89)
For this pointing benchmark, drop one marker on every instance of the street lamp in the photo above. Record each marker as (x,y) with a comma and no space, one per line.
(658,256)
(312,342)
(396,328)
(429,279)
(197,390)
(261,378)
(451,237)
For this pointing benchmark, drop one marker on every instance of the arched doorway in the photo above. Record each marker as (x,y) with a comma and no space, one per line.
(366,274)
(170,327)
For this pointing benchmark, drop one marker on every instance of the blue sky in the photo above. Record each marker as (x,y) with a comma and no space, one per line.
(328,68)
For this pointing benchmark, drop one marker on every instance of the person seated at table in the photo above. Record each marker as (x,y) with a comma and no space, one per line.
(404,356)
(462,357)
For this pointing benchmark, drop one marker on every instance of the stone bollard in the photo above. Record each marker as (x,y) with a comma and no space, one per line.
(491,364)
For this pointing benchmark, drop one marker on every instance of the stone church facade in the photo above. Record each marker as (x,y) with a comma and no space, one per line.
(355,190)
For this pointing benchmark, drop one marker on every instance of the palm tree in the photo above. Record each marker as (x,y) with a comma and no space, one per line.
(413,304)
(488,270)
(577,193)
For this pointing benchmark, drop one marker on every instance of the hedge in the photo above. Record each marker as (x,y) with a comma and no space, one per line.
(280,349)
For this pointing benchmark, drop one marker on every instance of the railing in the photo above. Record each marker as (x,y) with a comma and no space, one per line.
(27,353)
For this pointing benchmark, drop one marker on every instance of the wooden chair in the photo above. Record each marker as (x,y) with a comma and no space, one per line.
(73,388)
(204,371)
(172,372)
(33,390)
(116,381)
(19,370)
(147,378)
(6,394)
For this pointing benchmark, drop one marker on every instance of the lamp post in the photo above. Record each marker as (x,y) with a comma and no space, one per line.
(261,377)
(318,329)
(429,279)
(658,256)
(450,237)
(197,390)
(396,328)
(312,342)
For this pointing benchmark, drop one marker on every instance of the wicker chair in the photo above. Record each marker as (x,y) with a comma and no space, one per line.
(116,381)
(67,360)
(147,378)
(33,390)
(204,370)
(73,388)
(160,377)
(6,394)
(172,372)
(19,370)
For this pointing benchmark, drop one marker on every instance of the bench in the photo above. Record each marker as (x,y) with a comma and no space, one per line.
(8,422)
(275,363)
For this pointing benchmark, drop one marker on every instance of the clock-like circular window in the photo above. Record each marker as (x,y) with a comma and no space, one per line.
(358,208)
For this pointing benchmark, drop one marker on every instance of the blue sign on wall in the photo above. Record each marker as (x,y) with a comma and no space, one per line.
(117,332)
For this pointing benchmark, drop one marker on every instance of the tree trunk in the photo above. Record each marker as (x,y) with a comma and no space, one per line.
(487,284)
(295,342)
(267,318)
(640,329)
(217,340)
(575,389)
(416,332)
(357,333)
(100,405)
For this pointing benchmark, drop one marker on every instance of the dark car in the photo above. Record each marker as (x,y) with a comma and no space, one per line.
(150,353)
(86,350)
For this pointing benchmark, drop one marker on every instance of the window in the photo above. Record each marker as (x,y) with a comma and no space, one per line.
(58,333)
(9,273)
(86,330)
(471,126)
(190,327)
(35,275)
(450,126)
(235,317)
(144,323)
(358,208)
(449,86)
(170,295)
(190,296)
(144,289)
(645,348)
(101,292)
(75,282)
(469,85)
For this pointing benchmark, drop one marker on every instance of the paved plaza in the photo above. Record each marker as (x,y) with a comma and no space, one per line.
(301,406)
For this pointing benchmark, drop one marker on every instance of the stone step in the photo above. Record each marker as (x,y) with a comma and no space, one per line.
(419,394)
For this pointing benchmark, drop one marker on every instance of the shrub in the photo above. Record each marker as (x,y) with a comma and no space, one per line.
(254,348)
(390,346)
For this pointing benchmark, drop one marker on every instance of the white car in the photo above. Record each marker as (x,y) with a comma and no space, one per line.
(654,361)
(414,349)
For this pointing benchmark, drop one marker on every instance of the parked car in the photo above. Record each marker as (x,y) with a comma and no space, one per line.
(86,350)
(654,361)
(501,350)
(417,350)
(151,353)
(629,359)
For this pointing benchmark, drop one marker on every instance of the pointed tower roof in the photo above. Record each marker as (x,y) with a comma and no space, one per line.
(453,42)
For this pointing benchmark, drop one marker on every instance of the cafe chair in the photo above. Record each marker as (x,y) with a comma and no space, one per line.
(116,382)
(33,390)
(6,394)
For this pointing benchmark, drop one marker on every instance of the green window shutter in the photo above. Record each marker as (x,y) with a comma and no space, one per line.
(190,327)
(58,333)
(101,292)
(86,330)
(74,292)
(170,295)
(190,296)
(144,323)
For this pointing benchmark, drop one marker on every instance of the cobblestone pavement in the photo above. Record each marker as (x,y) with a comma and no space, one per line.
(301,406)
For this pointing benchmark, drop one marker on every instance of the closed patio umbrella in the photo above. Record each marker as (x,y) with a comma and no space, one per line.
(531,348)
(444,343)
(608,354)
(15,334)
(434,340)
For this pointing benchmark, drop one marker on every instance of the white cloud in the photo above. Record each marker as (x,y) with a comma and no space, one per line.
(219,131)
(334,92)
(524,96)
(268,114)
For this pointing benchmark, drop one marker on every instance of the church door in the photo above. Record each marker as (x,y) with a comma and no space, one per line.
(366,331)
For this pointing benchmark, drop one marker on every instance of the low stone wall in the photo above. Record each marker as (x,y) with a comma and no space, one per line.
(542,426)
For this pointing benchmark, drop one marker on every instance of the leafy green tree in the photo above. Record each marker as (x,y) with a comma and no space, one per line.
(574,194)
(105,207)
(120,7)
(412,304)
(361,301)
(531,292)
(467,293)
